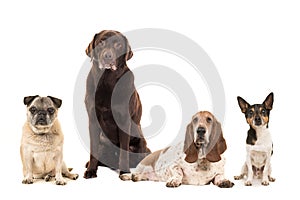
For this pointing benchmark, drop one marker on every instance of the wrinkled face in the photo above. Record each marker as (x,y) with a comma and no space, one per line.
(202,127)
(110,50)
(41,114)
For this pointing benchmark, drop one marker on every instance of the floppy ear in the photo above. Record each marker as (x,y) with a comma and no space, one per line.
(216,139)
(129,53)
(244,105)
(90,48)
(189,146)
(27,100)
(269,101)
(57,102)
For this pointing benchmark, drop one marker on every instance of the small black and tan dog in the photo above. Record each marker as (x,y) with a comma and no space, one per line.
(259,143)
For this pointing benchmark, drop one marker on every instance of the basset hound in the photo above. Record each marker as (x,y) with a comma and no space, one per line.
(198,160)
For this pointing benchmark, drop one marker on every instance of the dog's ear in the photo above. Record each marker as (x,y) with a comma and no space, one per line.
(27,100)
(217,143)
(129,53)
(90,48)
(189,146)
(57,102)
(268,103)
(244,105)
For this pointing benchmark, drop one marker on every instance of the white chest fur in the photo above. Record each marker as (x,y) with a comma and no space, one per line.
(263,142)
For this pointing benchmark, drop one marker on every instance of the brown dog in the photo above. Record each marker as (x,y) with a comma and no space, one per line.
(113,106)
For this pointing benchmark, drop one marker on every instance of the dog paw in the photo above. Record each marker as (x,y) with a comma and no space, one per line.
(27,181)
(173,183)
(248,183)
(90,174)
(225,184)
(48,178)
(60,182)
(125,177)
(271,179)
(238,177)
(74,176)
(265,183)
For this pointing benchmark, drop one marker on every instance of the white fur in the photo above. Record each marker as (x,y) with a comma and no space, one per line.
(259,155)
(172,168)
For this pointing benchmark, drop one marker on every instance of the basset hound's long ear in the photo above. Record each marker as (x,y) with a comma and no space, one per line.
(189,146)
(217,143)
(90,48)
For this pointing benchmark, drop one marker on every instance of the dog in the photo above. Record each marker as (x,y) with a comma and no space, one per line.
(259,143)
(113,106)
(42,142)
(198,160)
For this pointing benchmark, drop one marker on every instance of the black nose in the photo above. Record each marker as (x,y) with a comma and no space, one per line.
(257,120)
(107,55)
(42,112)
(201,130)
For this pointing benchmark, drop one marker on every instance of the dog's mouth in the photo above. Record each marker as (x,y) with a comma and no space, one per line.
(112,66)
(41,122)
(200,143)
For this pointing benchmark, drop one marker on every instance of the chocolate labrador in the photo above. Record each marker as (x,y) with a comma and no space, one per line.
(113,106)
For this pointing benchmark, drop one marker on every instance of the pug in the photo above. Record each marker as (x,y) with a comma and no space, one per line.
(42,142)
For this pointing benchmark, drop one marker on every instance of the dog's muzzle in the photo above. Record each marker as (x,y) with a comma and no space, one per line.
(108,60)
(200,140)
(257,121)
(41,118)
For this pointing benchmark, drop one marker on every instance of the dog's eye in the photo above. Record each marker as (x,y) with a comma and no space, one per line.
(50,110)
(101,43)
(250,113)
(33,110)
(263,111)
(195,120)
(118,45)
(208,120)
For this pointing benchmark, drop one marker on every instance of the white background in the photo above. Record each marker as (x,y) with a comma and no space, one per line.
(253,44)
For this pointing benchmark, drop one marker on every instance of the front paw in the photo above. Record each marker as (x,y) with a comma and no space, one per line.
(238,177)
(271,179)
(248,183)
(173,183)
(90,174)
(27,181)
(225,184)
(265,183)
(73,176)
(125,176)
(60,182)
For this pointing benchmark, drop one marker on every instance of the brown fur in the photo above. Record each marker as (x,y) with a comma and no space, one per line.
(217,144)
(111,145)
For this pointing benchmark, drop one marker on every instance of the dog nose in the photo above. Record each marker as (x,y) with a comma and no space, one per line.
(42,112)
(107,55)
(257,120)
(201,130)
